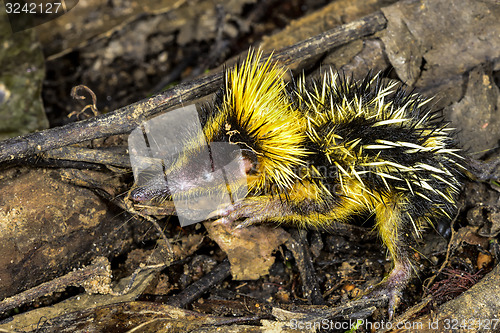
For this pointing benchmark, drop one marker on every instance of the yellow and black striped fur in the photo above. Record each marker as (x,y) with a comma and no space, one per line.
(318,153)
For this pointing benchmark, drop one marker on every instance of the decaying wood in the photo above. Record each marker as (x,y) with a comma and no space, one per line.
(100,269)
(100,156)
(49,227)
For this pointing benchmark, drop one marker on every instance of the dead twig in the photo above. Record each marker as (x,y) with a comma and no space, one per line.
(198,288)
(449,252)
(302,256)
(75,94)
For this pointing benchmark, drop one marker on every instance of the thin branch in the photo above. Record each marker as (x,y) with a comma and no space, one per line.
(198,288)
